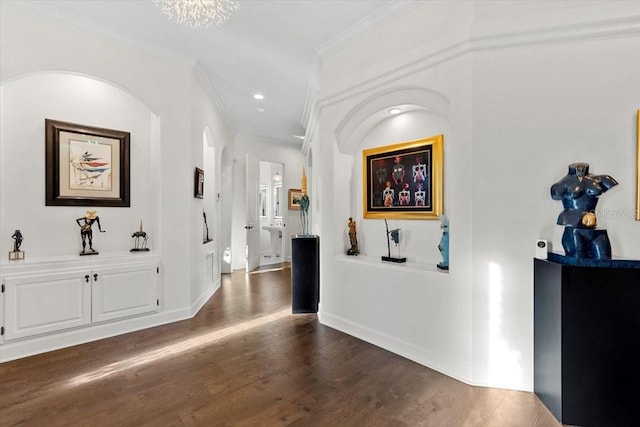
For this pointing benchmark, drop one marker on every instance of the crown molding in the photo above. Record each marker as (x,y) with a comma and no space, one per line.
(312,90)
(361,28)
(202,77)
(628,26)
(615,27)
(381,16)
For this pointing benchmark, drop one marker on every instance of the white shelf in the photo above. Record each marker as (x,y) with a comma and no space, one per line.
(376,261)
(71,261)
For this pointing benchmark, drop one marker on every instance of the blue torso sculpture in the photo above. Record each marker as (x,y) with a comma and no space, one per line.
(579,193)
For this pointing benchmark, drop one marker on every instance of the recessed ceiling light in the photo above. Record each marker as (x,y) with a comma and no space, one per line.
(395,111)
(258,96)
(299,136)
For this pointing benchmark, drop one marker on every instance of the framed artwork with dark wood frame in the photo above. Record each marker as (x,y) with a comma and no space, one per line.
(86,165)
(295,194)
(404,181)
(198,184)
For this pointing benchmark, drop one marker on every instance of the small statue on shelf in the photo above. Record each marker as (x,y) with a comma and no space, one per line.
(395,236)
(86,231)
(206,238)
(140,240)
(16,254)
(443,247)
(17,237)
(353,239)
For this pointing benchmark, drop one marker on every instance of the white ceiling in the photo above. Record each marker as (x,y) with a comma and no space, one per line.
(266,46)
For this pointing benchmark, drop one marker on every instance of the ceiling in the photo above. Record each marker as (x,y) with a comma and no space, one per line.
(267,46)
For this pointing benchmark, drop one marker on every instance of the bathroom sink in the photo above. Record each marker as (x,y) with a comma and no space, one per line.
(276,238)
(273,228)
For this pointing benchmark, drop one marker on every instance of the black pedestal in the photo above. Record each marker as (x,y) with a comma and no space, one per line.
(587,343)
(305,274)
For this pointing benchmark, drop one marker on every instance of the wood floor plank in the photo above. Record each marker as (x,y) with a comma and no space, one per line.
(244,360)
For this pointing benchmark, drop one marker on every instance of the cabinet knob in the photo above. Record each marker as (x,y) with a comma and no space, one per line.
(95,277)
(86,278)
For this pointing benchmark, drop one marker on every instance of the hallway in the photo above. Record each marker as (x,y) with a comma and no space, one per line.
(244,360)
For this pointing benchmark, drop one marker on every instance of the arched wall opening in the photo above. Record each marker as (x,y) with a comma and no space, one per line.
(394,306)
(368,124)
(50,231)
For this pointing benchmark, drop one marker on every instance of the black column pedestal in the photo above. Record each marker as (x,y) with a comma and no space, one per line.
(587,343)
(305,274)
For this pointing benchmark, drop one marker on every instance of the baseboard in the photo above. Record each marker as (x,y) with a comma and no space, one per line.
(410,351)
(206,295)
(35,345)
(390,343)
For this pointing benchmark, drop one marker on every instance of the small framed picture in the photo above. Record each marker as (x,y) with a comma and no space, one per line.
(295,194)
(198,186)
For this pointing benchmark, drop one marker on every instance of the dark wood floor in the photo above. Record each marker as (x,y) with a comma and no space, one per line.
(244,360)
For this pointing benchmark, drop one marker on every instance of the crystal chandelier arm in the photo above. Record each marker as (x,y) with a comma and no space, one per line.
(198,13)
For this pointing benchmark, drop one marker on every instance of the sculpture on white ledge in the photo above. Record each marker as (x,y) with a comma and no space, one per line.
(86,231)
(140,240)
(443,247)
(395,236)
(16,253)
(353,239)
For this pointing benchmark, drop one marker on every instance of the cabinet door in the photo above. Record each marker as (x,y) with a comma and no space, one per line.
(39,304)
(124,291)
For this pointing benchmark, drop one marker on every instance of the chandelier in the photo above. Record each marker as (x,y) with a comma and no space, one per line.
(198,13)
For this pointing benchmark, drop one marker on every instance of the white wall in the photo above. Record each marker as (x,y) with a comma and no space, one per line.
(52,71)
(538,108)
(226,211)
(519,90)
(211,136)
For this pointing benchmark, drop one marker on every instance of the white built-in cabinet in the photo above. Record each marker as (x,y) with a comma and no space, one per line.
(123,291)
(45,298)
(36,304)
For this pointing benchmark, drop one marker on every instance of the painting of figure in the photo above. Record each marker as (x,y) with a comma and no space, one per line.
(89,166)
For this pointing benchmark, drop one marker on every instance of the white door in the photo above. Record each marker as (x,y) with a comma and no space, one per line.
(252,224)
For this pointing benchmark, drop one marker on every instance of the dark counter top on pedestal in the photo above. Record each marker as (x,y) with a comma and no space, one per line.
(592,262)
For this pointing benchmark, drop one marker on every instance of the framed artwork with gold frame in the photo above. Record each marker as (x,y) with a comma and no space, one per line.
(638,168)
(404,180)
(295,194)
